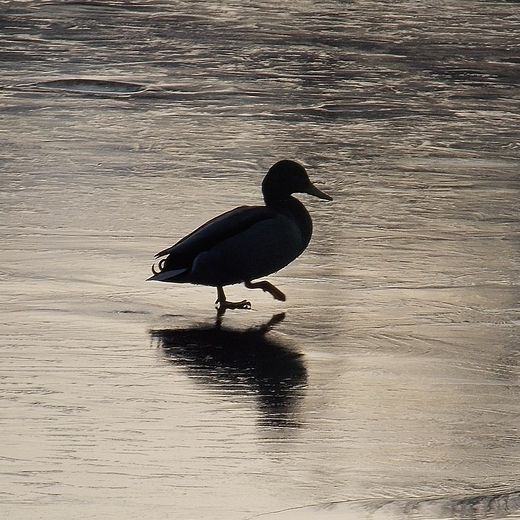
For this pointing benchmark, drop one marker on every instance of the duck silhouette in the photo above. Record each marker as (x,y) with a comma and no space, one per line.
(246,243)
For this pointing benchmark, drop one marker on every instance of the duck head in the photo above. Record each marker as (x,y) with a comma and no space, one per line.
(285,178)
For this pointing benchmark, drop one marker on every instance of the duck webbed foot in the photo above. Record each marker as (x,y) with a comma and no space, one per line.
(267,287)
(222,304)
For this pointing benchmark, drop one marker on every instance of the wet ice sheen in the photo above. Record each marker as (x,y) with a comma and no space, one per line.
(386,386)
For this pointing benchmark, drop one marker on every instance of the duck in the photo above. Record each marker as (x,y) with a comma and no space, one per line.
(246,243)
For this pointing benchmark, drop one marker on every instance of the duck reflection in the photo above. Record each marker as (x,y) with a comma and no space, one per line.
(241,360)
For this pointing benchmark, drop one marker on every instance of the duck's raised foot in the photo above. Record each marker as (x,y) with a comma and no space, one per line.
(267,287)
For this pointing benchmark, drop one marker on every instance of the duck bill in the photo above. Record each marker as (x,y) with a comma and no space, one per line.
(318,193)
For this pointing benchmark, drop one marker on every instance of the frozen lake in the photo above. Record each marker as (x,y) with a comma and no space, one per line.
(386,386)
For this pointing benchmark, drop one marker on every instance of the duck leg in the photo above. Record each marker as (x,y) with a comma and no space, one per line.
(222,304)
(267,287)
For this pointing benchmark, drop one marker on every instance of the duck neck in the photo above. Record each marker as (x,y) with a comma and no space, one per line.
(295,210)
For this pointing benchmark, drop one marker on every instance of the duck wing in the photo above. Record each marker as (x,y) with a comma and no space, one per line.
(213,232)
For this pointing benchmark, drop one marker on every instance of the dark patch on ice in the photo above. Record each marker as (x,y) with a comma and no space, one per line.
(478,507)
(92,86)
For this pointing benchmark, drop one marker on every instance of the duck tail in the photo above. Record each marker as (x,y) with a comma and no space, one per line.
(165,276)
(160,266)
